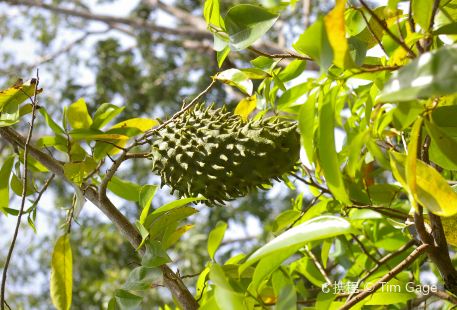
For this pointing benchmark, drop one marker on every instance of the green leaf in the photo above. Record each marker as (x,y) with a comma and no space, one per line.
(125,300)
(432,74)
(306,123)
(212,15)
(18,93)
(95,134)
(5,173)
(245,107)
(155,255)
(432,190)
(141,278)
(226,297)
(215,238)
(10,114)
(319,228)
(78,116)
(104,114)
(267,266)
(246,23)
(175,204)
(50,122)
(294,69)
(124,189)
(170,239)
(237,78)
(443,148)
(62,274)
(160,225)
(314,43)
(328,156)
(422,12)
(78,171)
(447,29)
(222,55)
(16,185)
(147,193)
(293,96)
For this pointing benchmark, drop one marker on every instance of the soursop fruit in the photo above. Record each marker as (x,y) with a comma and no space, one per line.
(214,153)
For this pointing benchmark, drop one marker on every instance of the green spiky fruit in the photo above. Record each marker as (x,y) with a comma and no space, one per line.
(212,152)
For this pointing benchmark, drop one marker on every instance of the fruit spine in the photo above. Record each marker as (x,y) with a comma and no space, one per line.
(212,152)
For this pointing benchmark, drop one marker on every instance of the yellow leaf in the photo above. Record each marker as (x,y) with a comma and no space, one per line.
(336,32)
(18,93)
(411,160)
(78,116)
(449,225)
(141,124)
(246,106)
(62,274)
(77,171)
(432,190)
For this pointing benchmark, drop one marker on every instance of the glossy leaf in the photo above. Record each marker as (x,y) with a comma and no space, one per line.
(432,74)
(411,160)
(443,148)
(246,23)
(5,173)
(306,124)
(432,190)
(62,273)
(226,297)
(18,93)
(315,43)
(155,255)
(319,228)
(104,114)
(78,116)
(237,78)
(147,193)
(51,123)
(124,189)
(124,300)
(211,12)
(422,12)
(78,171)
(215,238)
(328,156)
(10,114)
(336,31)
(246,106)
(141,278)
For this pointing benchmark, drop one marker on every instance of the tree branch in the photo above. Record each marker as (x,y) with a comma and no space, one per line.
(24,191)
(387,277)
(171,280)
(387,30)
(133,22)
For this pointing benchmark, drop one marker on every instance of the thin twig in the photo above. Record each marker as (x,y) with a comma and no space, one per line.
(386,258)
(364,250)
(24,192)
(444,295)
(280,55)
(412,25)
(378,40)
(318,265)
(387,30)
(387,277)
(177,114)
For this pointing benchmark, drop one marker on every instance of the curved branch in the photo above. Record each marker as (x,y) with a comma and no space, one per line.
(171,280)
(108,19)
